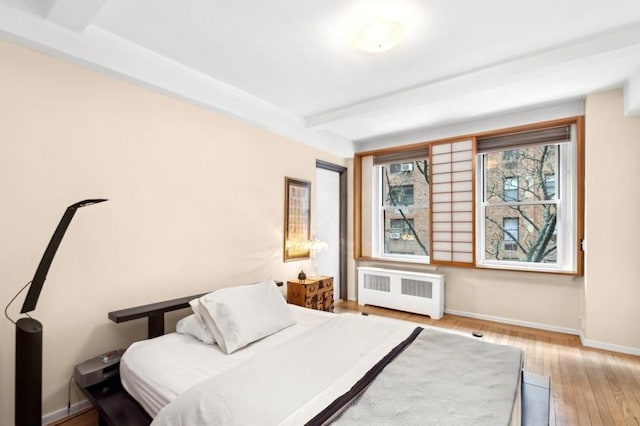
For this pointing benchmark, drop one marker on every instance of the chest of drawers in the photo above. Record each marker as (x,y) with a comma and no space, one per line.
(313,293)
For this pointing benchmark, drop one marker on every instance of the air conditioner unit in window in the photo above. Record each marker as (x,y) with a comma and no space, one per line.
(406,167)
(394,235)
(510,246)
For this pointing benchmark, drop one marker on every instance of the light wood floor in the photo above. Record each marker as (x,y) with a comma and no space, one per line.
(588,386)
(88,417)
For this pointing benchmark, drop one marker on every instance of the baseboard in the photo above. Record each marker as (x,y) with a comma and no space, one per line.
(521,323)
(60,414)
(609,346)
(585,342)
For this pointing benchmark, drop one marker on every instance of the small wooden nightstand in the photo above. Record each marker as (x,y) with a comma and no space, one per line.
(314,293)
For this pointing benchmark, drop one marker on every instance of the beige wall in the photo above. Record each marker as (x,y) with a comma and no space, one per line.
(544,300)
(612,273)
(196,203)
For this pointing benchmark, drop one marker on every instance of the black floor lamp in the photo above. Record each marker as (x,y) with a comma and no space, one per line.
(28,384)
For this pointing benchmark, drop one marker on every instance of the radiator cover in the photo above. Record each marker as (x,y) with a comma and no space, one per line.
(417,292)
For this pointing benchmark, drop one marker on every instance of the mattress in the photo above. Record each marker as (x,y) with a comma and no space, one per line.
(156,371)
(161,372)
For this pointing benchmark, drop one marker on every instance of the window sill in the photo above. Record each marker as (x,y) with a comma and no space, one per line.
(434,267)
(396,261)
(519,268)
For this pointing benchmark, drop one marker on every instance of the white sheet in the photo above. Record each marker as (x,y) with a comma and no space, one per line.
(156,371)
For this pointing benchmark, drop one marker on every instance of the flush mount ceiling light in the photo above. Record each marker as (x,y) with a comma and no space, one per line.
(379,35)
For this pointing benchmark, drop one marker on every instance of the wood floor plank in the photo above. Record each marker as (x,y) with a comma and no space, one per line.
(615,380)
(569,402)
(630,378)
(582,391)
(553,372)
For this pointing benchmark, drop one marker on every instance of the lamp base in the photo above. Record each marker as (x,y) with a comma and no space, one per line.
(28,385)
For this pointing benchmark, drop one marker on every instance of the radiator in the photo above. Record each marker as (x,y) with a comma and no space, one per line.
(417,292)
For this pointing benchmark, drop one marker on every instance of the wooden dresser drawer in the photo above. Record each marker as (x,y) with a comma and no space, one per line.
(313,293)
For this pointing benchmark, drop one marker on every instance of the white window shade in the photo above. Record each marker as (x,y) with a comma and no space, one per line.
(452,212)
(543,136)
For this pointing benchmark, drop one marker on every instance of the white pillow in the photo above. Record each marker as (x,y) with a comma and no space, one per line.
(195,307)
(193,326)
(198,312)
(237,316)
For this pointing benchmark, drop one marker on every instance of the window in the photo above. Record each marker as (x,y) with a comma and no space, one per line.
(549,187)
(401,229)
(524,222)
(401,210)
(506,200)
(510,191)
(511,228)
(510,155)
(401,195)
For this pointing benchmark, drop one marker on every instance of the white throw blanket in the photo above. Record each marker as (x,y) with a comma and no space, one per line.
(291,383)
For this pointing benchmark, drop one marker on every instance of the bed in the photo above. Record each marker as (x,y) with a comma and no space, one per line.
(320,368)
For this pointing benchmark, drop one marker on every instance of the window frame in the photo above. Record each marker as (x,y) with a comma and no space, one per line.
(378,231)
(566,207)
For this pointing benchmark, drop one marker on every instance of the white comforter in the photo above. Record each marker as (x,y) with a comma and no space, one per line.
(291,383)
(156,371)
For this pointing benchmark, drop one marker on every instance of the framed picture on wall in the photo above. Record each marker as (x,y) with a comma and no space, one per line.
(297,218)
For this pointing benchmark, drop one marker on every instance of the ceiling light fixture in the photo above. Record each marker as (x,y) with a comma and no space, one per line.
(379,35)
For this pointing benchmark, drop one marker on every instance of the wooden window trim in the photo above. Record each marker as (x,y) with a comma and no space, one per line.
(580,176)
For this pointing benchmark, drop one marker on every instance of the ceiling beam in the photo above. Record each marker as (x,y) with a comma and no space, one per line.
(75,15)
(486,78)
(632,96)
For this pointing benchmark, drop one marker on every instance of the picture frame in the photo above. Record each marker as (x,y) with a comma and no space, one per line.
(297,219)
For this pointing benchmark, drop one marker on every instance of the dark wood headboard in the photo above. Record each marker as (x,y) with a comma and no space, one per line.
(155,312)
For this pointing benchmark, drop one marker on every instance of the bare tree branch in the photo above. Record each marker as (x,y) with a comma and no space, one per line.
(513,237)
(530,171)
(395,203)
(424,170)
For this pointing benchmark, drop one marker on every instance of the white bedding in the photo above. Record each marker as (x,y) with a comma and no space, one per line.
(293,382)
(163,370)
(440,379)
(156,371)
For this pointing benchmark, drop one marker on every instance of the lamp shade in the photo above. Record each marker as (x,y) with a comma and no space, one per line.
(43,268)
(315,245)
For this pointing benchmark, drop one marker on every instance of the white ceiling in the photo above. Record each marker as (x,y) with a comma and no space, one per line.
(289,66)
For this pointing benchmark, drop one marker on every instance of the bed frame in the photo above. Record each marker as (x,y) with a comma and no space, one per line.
(114,405)
(117,408)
